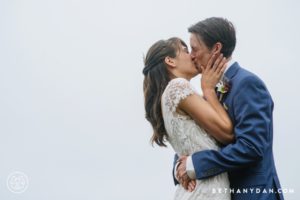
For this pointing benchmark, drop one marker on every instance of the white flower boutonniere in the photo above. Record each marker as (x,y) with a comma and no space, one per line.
(222,88)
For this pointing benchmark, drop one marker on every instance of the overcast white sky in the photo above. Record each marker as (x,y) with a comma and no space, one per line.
(71,106)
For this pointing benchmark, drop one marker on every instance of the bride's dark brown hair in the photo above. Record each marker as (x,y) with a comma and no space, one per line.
(156,79)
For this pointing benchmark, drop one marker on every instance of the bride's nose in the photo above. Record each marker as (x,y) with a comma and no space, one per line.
(192,56)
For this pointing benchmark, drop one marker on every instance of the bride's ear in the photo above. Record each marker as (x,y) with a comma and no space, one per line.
(217,48)
(170,61)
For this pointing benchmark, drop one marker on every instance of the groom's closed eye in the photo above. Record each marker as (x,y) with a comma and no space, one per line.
(193,49)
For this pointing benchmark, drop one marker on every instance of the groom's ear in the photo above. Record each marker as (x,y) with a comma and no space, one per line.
(170,61)
(217,48)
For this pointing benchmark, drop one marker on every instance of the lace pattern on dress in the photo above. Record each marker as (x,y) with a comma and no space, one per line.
(177,90)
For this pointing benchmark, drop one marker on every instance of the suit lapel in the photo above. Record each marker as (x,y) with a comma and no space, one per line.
(228,76)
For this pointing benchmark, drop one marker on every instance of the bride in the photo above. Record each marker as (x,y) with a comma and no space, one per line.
(189,121)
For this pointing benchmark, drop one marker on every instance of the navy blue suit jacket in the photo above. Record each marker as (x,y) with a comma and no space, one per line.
(249,160)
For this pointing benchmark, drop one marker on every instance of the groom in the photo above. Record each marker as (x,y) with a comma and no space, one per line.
(249,160)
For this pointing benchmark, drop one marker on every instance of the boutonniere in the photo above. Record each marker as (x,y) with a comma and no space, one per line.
(223,87)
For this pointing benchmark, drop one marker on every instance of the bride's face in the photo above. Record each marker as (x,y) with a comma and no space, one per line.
(184,63)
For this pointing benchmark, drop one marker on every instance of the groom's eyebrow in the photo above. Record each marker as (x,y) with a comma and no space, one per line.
(193,47)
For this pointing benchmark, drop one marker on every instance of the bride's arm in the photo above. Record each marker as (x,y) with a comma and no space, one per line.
(209,113)
(208,118)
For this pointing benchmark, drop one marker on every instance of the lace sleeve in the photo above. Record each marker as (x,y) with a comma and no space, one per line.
(177,90)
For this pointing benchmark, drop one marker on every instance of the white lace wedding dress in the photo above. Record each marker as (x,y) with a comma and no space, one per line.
(186,137)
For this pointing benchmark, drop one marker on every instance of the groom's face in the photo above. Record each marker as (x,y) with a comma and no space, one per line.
(200,53)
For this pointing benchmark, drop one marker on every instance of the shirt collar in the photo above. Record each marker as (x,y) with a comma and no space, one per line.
(229,64)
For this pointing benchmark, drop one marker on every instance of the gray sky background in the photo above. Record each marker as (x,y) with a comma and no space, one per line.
(71,106)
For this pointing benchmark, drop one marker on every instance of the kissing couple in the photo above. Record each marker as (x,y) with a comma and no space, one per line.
(223,137)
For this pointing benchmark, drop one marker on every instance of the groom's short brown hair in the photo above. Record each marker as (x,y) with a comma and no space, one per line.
(216,29)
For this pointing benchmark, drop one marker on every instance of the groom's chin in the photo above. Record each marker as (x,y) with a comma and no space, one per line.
(199,70)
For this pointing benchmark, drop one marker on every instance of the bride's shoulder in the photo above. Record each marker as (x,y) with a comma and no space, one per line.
(177,90)
(178,80)
(178,84)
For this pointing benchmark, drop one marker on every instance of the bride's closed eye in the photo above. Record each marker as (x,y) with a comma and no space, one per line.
(185,49)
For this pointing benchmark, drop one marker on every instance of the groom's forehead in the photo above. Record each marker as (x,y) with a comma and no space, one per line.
(196,41)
